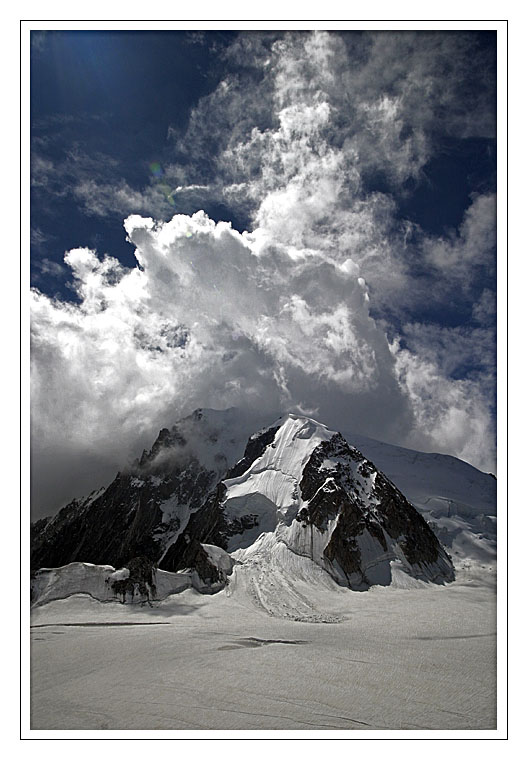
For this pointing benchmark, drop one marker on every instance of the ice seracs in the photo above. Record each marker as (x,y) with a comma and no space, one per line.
(105,584)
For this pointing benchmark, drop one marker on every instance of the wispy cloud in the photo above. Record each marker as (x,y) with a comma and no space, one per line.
(38,40)
(51,268)
(37,237)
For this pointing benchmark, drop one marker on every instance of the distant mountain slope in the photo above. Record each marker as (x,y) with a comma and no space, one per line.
(432,481)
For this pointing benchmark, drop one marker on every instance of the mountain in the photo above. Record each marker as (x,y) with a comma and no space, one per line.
(458,501)
(303,487)
(143,510)
(299,500)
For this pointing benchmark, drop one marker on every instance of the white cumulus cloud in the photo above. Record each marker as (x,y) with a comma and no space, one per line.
(210,318)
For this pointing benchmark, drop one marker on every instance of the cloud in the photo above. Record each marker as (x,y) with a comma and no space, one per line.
(316,306)
(484,309)
(451,416)
(301,138)
(51,268)
(92,180)
(208,318)
(38,238)
(379,100)
(391,95)
(472,250)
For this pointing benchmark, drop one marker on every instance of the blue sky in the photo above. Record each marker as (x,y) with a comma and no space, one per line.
(357,278)
(102,105)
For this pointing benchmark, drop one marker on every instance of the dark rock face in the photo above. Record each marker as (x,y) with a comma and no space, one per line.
(210,525)
(127,519)
(140,582)
(206,526)
(365,503)
(193,555)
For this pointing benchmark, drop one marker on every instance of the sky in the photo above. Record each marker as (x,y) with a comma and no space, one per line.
(283,221)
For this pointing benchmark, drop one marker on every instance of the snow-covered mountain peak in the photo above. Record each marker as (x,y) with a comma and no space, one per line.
(294,440)
(301,490)
(292,498)
(265,483)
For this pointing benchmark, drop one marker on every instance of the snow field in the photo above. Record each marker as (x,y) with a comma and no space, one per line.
(399,659)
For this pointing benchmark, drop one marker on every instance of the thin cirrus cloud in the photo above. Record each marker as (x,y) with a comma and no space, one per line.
(317,307)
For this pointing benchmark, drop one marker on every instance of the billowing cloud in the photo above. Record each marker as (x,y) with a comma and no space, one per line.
(209,318)
(316,306)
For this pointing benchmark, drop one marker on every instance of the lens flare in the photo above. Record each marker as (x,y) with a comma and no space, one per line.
(156,169)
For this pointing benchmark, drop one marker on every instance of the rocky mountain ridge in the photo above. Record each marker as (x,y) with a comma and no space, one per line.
(298,485)
(305,487)
(144,507)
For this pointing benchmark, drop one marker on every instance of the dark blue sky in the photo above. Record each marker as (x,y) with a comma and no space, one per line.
(108,95)
(109,105)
